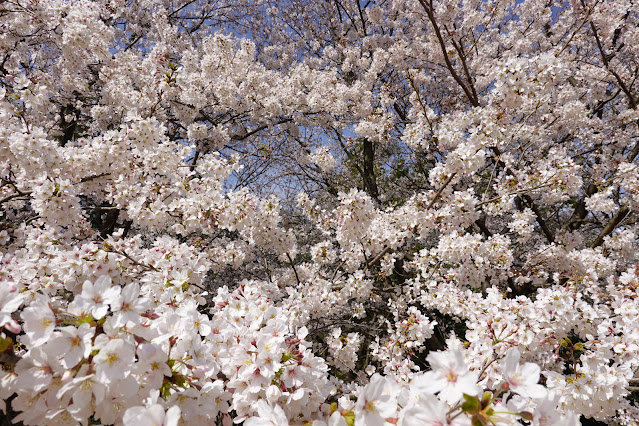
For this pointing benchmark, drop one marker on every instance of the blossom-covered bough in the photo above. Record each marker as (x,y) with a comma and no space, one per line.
(277,212)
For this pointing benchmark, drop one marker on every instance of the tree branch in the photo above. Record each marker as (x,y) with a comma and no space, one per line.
(610,226)
(431,16)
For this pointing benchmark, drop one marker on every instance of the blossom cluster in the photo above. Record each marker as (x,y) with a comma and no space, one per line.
(101,354)
(319,213)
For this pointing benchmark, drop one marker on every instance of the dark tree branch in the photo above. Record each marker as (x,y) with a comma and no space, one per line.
(610,226)
(431,16)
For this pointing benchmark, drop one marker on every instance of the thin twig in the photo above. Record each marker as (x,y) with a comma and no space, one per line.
(377,258)
(297,277)
(440,190)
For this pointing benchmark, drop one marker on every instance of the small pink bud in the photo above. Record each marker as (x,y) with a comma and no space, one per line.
(13,326)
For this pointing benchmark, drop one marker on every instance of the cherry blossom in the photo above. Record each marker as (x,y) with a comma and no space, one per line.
(96,297)
(522,379)
(449,376)
(321,213)
(152,414)
(267,415)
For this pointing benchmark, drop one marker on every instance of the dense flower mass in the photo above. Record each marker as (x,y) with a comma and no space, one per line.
(296,212)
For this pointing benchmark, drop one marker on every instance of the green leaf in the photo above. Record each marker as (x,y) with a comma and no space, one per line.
(5,343)
(349,417)
(165,390)
(486,399)
(471,404)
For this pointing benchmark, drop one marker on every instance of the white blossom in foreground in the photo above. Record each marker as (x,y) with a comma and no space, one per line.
(267,416)
(348,213)
(151,413)
(449,376)
(522,379)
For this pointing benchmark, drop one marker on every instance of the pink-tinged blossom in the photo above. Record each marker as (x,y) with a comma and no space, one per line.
(336,419)
(114,360)
(546,414)
(449,377)
(84,388)
(151,415)
(522,379)
(129,305)
(214,398)
(96,297)
(32,406)
(267,415)
(427,410)
(375,403)
(269,355)
(10,301)
(36,370)
(39,321)
(72,344)
(153,361)
(504,198)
